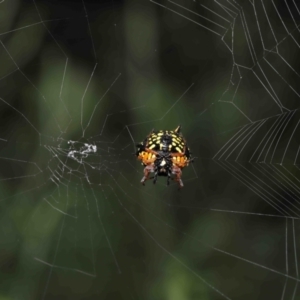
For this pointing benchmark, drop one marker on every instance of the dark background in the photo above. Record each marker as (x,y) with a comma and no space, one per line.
(86,228)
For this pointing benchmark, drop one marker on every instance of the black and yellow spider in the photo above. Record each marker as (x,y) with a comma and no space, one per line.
(164,153)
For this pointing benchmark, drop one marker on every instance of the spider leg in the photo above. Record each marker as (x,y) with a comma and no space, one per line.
(177,154)
(148,169)
(155,177)
(151,151)
(169,177)
(177,172)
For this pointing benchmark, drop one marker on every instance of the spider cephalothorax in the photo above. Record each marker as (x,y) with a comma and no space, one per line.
(164,153)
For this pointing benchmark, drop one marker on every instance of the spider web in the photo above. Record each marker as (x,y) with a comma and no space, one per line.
(82,83)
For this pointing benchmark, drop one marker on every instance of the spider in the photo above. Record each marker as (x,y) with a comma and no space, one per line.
(164,153)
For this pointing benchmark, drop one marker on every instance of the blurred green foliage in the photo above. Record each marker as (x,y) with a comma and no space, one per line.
(110,238)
